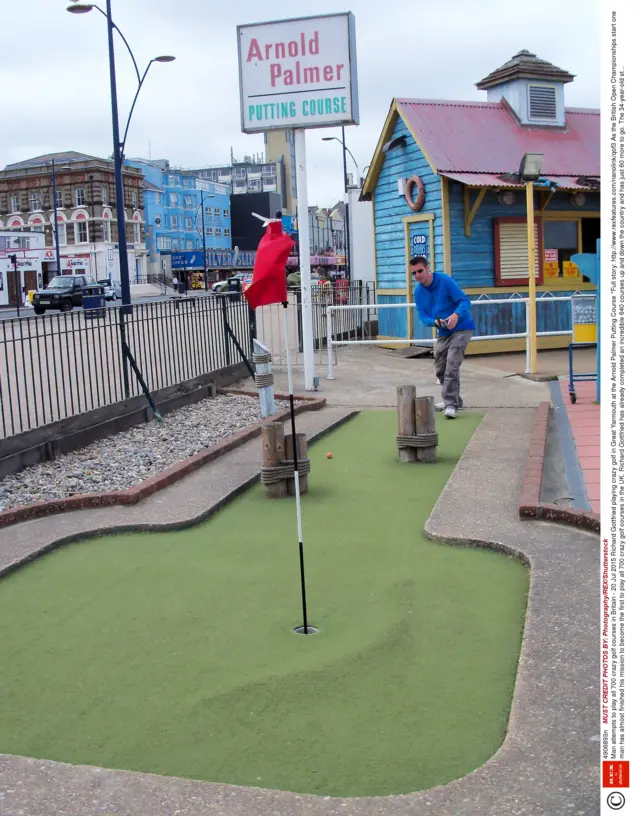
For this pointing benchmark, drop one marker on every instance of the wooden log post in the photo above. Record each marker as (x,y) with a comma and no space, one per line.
(302,454)
(426,423)
(272,452)
(407,419)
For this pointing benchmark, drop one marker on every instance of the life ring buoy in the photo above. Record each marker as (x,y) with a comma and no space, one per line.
(416,181)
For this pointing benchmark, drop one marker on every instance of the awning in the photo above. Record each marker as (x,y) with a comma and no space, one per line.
(570,183)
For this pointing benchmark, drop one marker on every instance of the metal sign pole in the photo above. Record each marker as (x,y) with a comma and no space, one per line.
(305,260)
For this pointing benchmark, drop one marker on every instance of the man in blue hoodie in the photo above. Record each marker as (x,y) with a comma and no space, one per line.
(440,302)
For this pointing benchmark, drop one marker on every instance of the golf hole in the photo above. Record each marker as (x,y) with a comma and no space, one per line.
(311,630)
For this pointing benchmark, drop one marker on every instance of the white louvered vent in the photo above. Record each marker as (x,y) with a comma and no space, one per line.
(542,102)
(514,259)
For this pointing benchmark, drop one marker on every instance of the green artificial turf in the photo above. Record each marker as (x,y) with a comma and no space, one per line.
(173,653)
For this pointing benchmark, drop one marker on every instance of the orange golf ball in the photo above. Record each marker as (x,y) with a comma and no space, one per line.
(329,456)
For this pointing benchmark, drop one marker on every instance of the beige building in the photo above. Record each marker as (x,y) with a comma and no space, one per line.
(279,146)
(86,212)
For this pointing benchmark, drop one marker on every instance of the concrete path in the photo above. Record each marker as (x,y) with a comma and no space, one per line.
(548,764)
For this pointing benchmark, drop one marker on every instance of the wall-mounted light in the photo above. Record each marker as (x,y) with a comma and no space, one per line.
(399,141)
(402,182)
(507,198)
(578,199)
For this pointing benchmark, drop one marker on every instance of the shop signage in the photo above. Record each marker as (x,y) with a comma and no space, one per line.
(298,73)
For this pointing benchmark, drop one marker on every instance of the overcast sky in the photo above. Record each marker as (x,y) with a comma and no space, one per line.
(55,82)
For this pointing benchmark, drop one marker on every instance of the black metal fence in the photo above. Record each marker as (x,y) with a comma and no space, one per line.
(60,365)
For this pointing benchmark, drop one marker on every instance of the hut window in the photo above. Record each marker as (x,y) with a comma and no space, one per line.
(510,251)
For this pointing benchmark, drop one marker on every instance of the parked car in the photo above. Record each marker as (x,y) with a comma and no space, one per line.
(245,279)
(112,289)
(63,293)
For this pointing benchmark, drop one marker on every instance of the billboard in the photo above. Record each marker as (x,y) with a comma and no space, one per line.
(298,73)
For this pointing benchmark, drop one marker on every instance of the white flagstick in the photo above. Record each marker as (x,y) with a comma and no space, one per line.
(295,469)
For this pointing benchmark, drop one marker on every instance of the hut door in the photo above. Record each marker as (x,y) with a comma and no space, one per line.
(418,236)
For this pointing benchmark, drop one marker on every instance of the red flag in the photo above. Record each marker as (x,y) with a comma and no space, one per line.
(269,284)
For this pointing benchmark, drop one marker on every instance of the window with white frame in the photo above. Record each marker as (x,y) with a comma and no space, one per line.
(216,212)
(14,205)
(210,231)
(134,198)
(239,172)
(188,223)
(136,232)
(218,232)
(164,242)
(80,199)
(106,230)
(104,191)
(174,222)
(173,200)
(62,233)
(268,169)
(175,244)
(511,256)
(227,233)
(187,201)
(81,230)
(35,202)
(207,212)
(159,199)
(225,214)
(59,199)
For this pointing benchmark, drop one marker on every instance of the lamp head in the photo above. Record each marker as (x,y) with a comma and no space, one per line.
(164,58)
(531,166)
(80,8)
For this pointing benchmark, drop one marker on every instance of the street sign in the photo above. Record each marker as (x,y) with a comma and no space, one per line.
(298,73)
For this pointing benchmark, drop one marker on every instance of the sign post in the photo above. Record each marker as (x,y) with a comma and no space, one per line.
(299,74)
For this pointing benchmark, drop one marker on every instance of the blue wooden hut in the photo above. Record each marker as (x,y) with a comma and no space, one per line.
(445,181)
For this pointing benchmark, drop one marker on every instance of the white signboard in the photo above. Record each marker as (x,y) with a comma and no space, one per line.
(298,73)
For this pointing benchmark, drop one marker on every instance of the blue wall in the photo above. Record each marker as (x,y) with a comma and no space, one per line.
(390,208)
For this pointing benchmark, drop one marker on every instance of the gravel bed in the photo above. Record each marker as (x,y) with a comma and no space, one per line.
(130,457)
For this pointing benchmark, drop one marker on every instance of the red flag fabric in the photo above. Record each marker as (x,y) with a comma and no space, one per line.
(269,284)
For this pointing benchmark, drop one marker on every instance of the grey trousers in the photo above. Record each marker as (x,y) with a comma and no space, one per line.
(449,353)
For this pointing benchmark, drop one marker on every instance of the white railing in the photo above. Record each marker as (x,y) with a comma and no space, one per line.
(331,343)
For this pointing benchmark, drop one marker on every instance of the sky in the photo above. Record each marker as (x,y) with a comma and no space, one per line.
(55,80)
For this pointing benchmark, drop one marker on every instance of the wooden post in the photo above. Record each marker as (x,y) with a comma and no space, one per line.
(302,454)
(272,453)
(407,419)
(426,423)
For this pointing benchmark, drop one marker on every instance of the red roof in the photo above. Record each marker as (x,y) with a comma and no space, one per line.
(485,137)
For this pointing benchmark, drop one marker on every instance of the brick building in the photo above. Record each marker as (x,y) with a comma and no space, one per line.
(86,212)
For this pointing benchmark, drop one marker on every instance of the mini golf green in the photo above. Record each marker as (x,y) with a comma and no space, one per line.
(173,653)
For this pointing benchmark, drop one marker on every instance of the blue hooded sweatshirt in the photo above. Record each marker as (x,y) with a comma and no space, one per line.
(441,299)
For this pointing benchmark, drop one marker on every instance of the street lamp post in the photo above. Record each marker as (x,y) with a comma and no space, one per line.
(203,198)
(118,146)
(530,170)
(347,231)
